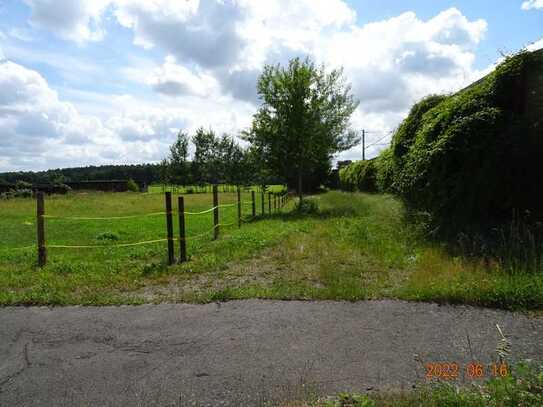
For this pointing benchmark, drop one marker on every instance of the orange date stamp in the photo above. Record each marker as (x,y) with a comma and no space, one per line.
(473,370)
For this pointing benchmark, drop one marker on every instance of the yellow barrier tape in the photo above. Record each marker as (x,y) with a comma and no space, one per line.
(106,247)
(104,218)
(227,205)
(18,248)
(203,212)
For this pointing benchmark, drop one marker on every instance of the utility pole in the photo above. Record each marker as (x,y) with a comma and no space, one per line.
(363,144)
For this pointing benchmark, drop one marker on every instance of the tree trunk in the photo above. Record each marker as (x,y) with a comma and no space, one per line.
(300,190)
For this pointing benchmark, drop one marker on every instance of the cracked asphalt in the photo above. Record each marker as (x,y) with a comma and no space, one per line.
(241,353)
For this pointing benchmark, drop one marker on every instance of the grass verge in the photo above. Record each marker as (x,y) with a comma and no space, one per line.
(524,387)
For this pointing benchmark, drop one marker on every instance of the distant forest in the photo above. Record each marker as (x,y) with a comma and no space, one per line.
(147,173)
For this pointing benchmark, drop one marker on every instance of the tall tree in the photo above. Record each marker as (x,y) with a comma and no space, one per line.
(164,171)
(179,151)
(204,162)
(229,160)
(304,119)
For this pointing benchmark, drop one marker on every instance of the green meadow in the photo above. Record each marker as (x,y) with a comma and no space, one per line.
(347,246)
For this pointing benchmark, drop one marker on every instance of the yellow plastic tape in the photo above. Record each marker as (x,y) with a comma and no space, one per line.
(18,248)
(104,218)
(106,247)
(203,212)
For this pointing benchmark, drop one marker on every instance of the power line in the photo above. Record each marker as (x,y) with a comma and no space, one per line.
(378,141)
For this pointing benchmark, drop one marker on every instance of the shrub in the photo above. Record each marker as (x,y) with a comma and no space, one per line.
(19,185)
(384,166)
(132,186)
(62,189)
(471,158)
(108,236)
(21,193)
(360,176)
(307,207)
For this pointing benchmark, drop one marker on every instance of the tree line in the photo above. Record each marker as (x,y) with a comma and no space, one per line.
(145,173)
(216,160)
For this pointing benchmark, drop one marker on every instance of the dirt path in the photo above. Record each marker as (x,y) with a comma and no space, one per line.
(239,353)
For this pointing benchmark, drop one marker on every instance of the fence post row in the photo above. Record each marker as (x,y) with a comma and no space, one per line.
(254,203)
(42,250)
(279,200)
(169,227)
(239,206)
(215,212)
(182,231)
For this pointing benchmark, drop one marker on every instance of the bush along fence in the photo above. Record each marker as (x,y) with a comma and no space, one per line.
(279,201)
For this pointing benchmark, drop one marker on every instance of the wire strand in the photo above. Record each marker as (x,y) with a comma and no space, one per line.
(103,218)
(105,247)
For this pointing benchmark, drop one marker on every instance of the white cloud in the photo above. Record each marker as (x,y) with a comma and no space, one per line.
(78,21)
(217,49)
(37,127)
(535,45)
(20,34)
(176,80)
(40,131)
(532,4)
(200,32)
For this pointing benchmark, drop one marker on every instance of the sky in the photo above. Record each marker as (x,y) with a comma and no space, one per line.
(95,82)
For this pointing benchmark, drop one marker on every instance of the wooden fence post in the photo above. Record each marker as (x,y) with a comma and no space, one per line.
(169,227)
(42,250)
(262,196)
(275,202)
(239,206)
(269,203)
(254,202)
(182,231)
(215,212)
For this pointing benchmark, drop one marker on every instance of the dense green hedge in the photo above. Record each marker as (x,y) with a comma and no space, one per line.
(359,176)
(472,158)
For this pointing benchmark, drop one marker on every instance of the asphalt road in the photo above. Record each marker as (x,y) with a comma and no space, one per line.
(240,353)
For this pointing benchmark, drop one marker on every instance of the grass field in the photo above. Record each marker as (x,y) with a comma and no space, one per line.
(356,246)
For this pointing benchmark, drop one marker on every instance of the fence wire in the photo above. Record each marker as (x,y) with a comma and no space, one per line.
(56,246)
(121,245)
(104,218)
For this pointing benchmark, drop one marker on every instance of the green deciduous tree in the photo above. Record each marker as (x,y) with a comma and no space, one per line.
(218,159)
(179,168)
(303,121)
(205,145)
